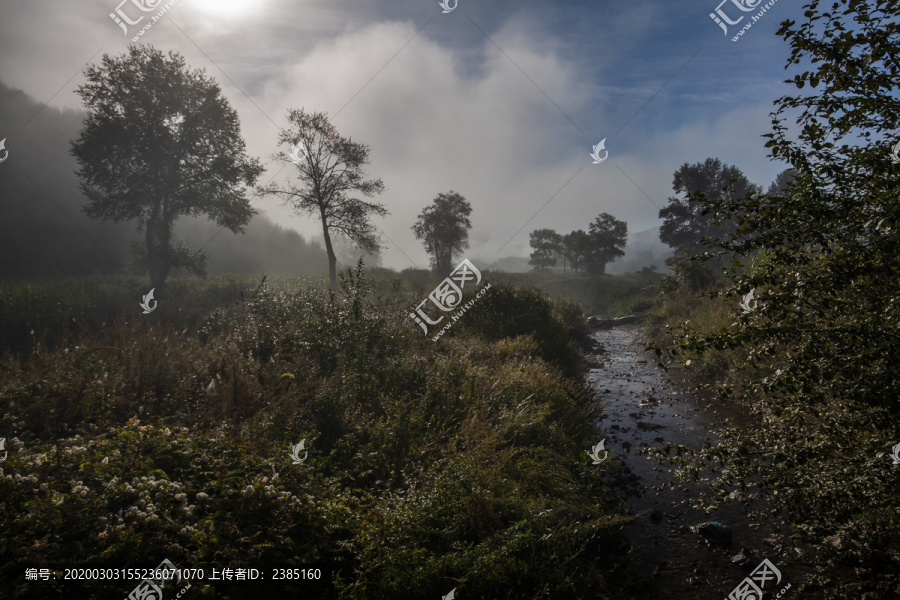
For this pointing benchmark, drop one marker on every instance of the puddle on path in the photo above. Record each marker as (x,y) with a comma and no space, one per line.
(645,411)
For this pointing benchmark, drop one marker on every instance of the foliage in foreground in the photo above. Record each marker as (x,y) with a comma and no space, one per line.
(431,466)
(823,337)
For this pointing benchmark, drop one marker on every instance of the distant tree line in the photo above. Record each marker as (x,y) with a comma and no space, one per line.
(588,251)
(688,227)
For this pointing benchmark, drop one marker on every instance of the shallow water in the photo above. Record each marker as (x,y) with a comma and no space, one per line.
(644,410)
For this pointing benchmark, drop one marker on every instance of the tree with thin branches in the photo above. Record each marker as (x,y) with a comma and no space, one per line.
(328,170)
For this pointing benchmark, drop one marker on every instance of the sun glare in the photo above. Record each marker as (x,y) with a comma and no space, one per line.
(225,8)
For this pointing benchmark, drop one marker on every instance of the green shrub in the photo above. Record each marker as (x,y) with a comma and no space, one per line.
(505,311)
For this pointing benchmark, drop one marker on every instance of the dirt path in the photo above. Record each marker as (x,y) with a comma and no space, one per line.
(643,411)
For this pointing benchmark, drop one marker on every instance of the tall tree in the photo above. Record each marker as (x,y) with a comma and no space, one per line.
(686,224)
(329,171)
(822,346)
(160,142)
(606,241)
(443,227)
(546,245)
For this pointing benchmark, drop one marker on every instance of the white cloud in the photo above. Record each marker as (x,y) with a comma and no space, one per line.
(493,137)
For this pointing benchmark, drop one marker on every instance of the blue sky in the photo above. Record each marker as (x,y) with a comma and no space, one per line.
(500,101)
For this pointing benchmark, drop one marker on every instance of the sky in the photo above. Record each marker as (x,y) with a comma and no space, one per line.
(500,101)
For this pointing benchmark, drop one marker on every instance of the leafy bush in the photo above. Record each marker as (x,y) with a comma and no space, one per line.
(505,311)
(822,342)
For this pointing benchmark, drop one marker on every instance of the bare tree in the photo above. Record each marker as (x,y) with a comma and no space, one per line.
(329,170)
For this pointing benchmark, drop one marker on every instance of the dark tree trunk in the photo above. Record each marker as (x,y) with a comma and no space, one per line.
(332,259)
(158,253)
(442,262)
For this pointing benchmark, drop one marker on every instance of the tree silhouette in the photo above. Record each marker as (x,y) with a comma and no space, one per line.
(329,170)
(606,241)
(782,183)
(443,226)
(686,224)
(575,248)
(161,142)
(547,245)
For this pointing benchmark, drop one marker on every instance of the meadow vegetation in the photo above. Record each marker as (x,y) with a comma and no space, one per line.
(432,465)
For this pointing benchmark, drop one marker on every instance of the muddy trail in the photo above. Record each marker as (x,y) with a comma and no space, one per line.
(643,411)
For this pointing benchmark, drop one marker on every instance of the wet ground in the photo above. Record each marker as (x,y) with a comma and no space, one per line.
(644,410)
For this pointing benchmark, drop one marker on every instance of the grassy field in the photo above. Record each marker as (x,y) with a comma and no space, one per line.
(431,465)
